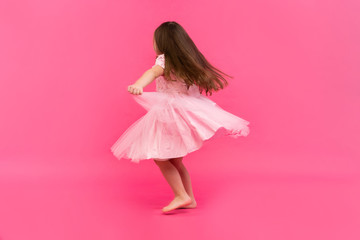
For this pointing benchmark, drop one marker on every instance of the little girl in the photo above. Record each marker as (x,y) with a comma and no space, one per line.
(179,118)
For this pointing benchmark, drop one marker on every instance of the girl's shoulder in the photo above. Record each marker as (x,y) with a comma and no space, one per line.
(160,60)
(160,57)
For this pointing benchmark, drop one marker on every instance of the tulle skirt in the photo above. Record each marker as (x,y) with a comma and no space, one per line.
(175,124)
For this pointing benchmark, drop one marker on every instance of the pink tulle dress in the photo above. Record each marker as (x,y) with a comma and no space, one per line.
(177,122)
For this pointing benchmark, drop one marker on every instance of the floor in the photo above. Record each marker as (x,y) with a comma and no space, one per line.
(48,198)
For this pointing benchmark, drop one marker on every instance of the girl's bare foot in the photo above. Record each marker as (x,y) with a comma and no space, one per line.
(177,203)
(193,204)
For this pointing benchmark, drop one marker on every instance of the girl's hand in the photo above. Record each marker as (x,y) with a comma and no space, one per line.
(135,89)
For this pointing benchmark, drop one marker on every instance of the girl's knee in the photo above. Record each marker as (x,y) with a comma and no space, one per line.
(177,162)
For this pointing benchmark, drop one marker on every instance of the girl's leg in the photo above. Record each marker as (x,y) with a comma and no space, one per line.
(185,177)
(172,176)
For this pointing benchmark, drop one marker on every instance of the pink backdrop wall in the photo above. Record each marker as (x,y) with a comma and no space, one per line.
(65,66)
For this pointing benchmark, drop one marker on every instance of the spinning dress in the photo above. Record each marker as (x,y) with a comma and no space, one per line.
(177,122)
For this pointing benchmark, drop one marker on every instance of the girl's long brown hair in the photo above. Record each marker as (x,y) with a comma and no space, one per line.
(184,60)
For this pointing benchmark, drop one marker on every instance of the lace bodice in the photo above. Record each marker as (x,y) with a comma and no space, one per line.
(177,86)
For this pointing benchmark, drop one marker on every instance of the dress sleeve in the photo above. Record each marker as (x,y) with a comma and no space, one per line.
(160,60)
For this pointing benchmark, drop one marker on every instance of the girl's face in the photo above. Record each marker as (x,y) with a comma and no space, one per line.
(155,47)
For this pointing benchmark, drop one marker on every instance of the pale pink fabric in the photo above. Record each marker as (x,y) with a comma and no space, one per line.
(177,122)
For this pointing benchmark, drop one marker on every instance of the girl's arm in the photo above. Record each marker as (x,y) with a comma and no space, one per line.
(145,79)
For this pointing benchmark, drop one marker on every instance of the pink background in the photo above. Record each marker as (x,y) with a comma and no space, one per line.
(64,71)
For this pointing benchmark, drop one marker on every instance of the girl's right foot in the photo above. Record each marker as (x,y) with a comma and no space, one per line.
(193,204)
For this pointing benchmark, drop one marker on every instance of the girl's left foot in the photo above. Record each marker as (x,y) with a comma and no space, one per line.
(177,203)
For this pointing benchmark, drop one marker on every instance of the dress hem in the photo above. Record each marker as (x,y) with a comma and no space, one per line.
(231,133)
